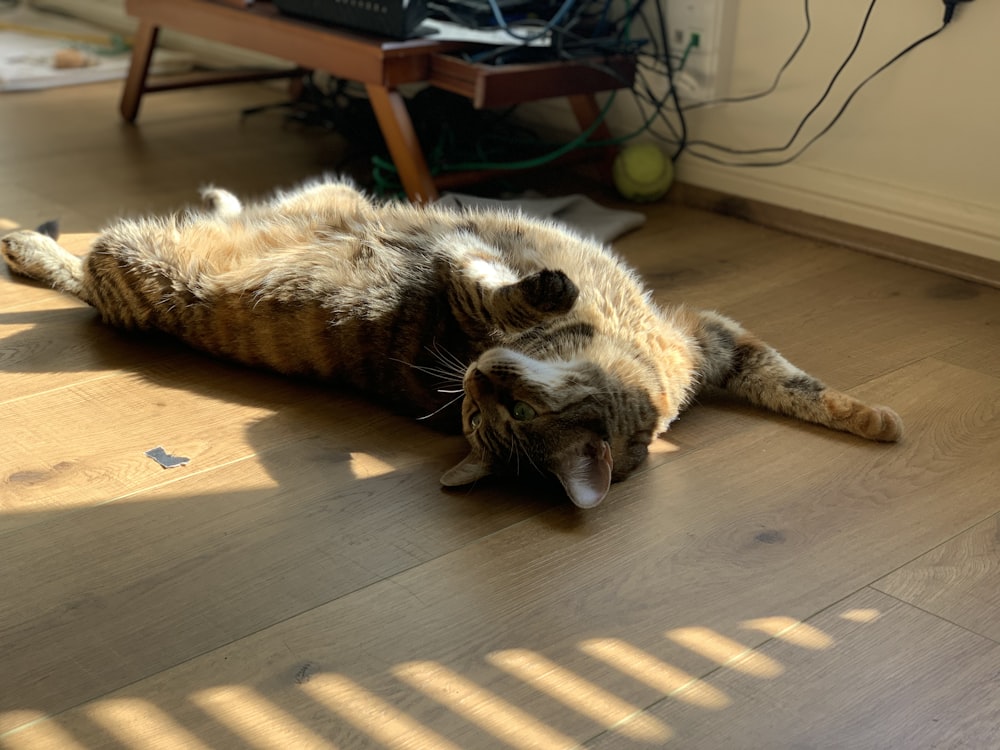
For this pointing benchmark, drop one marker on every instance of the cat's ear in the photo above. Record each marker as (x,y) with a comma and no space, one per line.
(585,472)
(470,469)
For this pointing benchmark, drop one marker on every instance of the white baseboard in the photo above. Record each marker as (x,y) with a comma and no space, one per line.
(966,227)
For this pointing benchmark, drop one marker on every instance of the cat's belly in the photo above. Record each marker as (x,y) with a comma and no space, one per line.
(413,357)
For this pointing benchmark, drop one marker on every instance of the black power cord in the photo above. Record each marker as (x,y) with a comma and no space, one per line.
(812,111)
(949,9)
(949,14)
(777,78)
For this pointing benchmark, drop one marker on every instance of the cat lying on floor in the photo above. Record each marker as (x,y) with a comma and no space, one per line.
(542,346)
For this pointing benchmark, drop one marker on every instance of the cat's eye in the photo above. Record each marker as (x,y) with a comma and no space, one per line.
(522,412)
(476,419)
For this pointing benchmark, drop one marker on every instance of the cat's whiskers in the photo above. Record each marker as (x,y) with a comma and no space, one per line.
(514,455)
(442,408)
(446,358)
(423,368)
(451,370)
(532,462)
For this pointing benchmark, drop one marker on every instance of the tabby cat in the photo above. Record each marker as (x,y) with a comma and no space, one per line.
(543,346)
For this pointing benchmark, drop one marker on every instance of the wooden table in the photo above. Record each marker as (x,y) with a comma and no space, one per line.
(381,65)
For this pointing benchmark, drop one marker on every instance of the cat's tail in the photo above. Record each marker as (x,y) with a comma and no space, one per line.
(739,362)
(37,255)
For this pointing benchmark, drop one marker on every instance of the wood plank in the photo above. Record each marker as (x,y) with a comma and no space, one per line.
(956,580)
(85,444)
(686,264)
(981,350)
(870,672)
(698,545)
(111,594)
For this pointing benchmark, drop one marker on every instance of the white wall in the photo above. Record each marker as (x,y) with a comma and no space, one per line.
(916,154)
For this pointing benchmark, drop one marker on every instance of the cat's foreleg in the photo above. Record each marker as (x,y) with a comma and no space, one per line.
(496,296)
(40,257)
(321,197)
(739,362)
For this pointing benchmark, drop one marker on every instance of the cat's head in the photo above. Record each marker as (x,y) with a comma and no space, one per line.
(572,419)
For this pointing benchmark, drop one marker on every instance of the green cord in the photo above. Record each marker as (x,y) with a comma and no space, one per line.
(692,43)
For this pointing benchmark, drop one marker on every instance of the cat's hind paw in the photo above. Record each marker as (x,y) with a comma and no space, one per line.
(884,425)
(873,422)
(220,202)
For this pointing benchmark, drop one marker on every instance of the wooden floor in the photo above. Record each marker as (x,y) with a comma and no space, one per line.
(305,583)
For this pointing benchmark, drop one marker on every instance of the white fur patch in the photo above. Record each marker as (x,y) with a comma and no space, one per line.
(490,274)
(543,372)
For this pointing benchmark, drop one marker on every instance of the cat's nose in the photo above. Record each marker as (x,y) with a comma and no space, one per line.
(478,384)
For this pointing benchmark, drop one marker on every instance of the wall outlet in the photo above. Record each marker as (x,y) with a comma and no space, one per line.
(701,34)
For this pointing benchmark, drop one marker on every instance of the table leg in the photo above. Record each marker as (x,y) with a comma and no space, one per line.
(397,129)
(586,109)
(135,85)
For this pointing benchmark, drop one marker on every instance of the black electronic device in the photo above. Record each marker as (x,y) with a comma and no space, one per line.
(394,18)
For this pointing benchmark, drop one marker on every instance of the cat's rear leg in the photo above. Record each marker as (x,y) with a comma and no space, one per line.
(40,257)
(739,362)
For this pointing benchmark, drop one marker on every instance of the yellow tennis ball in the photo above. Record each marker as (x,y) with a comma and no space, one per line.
(642,172)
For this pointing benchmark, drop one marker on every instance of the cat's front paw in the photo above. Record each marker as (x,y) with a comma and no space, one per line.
(549,291)
(20,250)
(40,257)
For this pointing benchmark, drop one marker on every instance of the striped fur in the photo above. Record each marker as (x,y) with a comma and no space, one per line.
(543,347)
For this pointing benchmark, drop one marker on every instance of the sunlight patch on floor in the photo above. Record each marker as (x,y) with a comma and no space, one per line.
(641,666)
(503,720)
(367,466)
(579,694)
(790,630)
(139,725)
(662,445)
(726,652)
(259,722)
(263,725)
(861,615)
(367,712)
(37,730)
